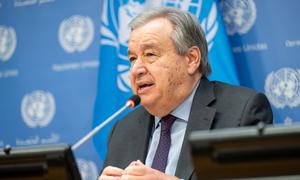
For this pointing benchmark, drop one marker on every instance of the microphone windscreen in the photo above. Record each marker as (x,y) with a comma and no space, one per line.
(134,101)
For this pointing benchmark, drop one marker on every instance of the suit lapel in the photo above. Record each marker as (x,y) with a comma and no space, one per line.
(201,118)
(145,121)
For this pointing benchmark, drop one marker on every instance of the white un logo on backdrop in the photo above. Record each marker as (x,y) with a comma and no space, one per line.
(239,15)
(76,33)
(118,22)
(283,88)
(88,169)
(38,108)
(8,42)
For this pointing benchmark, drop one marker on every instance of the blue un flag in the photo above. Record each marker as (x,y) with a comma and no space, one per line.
(114,83)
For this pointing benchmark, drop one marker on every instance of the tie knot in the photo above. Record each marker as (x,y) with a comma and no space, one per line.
(166,122)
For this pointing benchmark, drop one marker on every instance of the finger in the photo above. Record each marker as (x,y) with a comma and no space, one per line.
(135,170)
(104,177)
(112,171)
(136,163)
(133,163)
(130,177)
(139,163)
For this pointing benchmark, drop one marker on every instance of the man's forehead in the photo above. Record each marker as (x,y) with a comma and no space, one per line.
(151,35)
(156,26)
(146,40)
(157,23)
(147,45)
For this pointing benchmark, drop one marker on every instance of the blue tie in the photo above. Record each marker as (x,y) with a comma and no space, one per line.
(161,155)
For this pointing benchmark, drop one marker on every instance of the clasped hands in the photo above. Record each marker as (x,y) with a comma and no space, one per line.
(135,171)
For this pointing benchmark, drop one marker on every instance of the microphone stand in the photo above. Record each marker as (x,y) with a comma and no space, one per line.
(100,126)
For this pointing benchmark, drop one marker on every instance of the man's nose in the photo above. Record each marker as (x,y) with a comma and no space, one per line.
(138,68)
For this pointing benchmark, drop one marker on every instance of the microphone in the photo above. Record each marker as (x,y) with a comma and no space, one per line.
(132,102)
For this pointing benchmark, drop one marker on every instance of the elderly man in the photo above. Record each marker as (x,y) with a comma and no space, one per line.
(169,65)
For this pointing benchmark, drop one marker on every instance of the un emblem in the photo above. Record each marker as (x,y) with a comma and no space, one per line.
(283,88)
(115,31)
(38,108)
(88,169)
(239,16)
(8,42)
(76,33)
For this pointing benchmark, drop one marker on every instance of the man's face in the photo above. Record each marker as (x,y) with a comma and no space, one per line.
(158,74)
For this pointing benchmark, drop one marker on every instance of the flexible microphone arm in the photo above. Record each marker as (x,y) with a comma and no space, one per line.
(132,102)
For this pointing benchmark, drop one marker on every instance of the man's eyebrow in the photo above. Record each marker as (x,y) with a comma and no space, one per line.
(129,52)
(145,46)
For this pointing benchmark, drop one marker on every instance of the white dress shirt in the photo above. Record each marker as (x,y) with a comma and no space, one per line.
(182,113)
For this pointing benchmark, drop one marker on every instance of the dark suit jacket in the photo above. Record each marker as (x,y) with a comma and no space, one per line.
(215,105)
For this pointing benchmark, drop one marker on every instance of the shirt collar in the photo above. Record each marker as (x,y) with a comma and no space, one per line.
(183,110)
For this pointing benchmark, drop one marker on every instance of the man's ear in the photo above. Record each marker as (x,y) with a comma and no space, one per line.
(193,59)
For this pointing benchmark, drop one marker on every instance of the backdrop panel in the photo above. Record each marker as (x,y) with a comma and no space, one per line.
(48,74)
(265,40)
(64,67)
